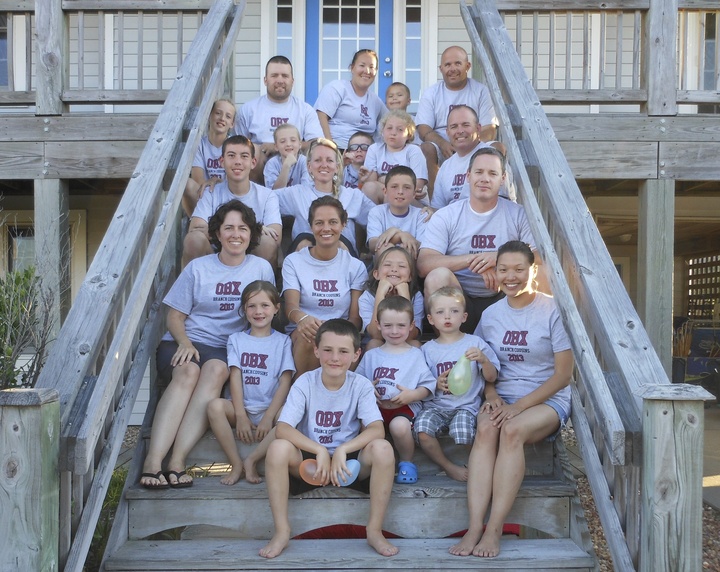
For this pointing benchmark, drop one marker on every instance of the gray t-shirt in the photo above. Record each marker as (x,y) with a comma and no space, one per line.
(349,112)
(380,159)
(457,229)
(263,201)
(262,361)
(298,172)
(330,418)
(442,357)
(259,117)
(437,100)
(380,218)
(208,292)
(526,341)
(324,285)
(207,157)
(390,370)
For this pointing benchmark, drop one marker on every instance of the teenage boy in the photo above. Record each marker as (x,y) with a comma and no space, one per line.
(238,159)
(396,221)
(456,414)
(331,415)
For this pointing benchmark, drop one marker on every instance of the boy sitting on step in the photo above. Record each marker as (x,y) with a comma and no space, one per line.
(330,415)
(401,379)
(455,414)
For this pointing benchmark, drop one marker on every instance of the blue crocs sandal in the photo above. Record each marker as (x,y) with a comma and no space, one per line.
(407,473)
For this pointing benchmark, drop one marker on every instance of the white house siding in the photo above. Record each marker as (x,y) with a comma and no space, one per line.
(249,67)
(451,30)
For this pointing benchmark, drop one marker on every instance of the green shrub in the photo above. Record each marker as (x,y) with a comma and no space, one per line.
(25,327)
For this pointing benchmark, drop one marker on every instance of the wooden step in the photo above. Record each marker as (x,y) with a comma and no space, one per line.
(438,506)
(547,555)
(539,458)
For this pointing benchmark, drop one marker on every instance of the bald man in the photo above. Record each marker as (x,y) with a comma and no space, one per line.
(455,88)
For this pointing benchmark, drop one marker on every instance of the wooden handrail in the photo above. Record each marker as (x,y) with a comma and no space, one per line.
(609,329)
(97,363)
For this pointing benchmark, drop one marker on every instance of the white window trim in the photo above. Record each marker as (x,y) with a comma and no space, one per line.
(78,239)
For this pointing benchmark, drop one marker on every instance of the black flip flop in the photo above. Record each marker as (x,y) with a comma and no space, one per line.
(177,484)
(157,476)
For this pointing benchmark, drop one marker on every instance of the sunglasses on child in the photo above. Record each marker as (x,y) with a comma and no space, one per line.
(358,147)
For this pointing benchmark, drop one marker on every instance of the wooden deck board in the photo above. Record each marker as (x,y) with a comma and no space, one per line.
(416,555)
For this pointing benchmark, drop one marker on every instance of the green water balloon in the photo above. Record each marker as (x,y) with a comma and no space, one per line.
(460,376)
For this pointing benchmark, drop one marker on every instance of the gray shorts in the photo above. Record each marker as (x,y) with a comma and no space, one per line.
(166,350)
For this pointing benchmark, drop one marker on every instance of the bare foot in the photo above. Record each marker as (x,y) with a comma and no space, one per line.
(251,474)
(489,545)
(380,544)
(457,473)
(277,544)
(233,476)
(466,544)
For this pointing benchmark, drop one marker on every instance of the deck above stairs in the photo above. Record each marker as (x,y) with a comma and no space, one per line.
(223,527)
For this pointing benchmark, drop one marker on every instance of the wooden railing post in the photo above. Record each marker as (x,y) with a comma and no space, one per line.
(29,483)
(50,49)
(671,530)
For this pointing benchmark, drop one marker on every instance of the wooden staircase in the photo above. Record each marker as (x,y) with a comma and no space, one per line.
(222,527)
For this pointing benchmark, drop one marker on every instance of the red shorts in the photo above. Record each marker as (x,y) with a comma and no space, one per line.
(390,414)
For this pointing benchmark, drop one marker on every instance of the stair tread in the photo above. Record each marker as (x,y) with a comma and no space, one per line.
(437,486)
(417,555)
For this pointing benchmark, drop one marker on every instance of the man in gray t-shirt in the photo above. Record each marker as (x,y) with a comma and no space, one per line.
(462,239)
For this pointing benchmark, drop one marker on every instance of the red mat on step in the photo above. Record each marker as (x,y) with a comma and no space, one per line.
(356,531)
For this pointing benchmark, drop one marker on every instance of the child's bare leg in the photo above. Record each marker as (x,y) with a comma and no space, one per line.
(401,431)
(480,482)
(251,461)
(281,456)
(377,458)
(221,415)
(434,451)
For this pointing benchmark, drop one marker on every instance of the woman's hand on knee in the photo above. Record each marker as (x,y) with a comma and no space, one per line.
(505,412)
(185,353)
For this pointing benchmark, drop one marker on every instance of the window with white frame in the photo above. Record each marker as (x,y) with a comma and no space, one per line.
(17,243)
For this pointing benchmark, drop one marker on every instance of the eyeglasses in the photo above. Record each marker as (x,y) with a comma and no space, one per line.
(358,147)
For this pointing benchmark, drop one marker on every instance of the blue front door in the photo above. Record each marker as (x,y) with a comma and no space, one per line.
(336,29)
